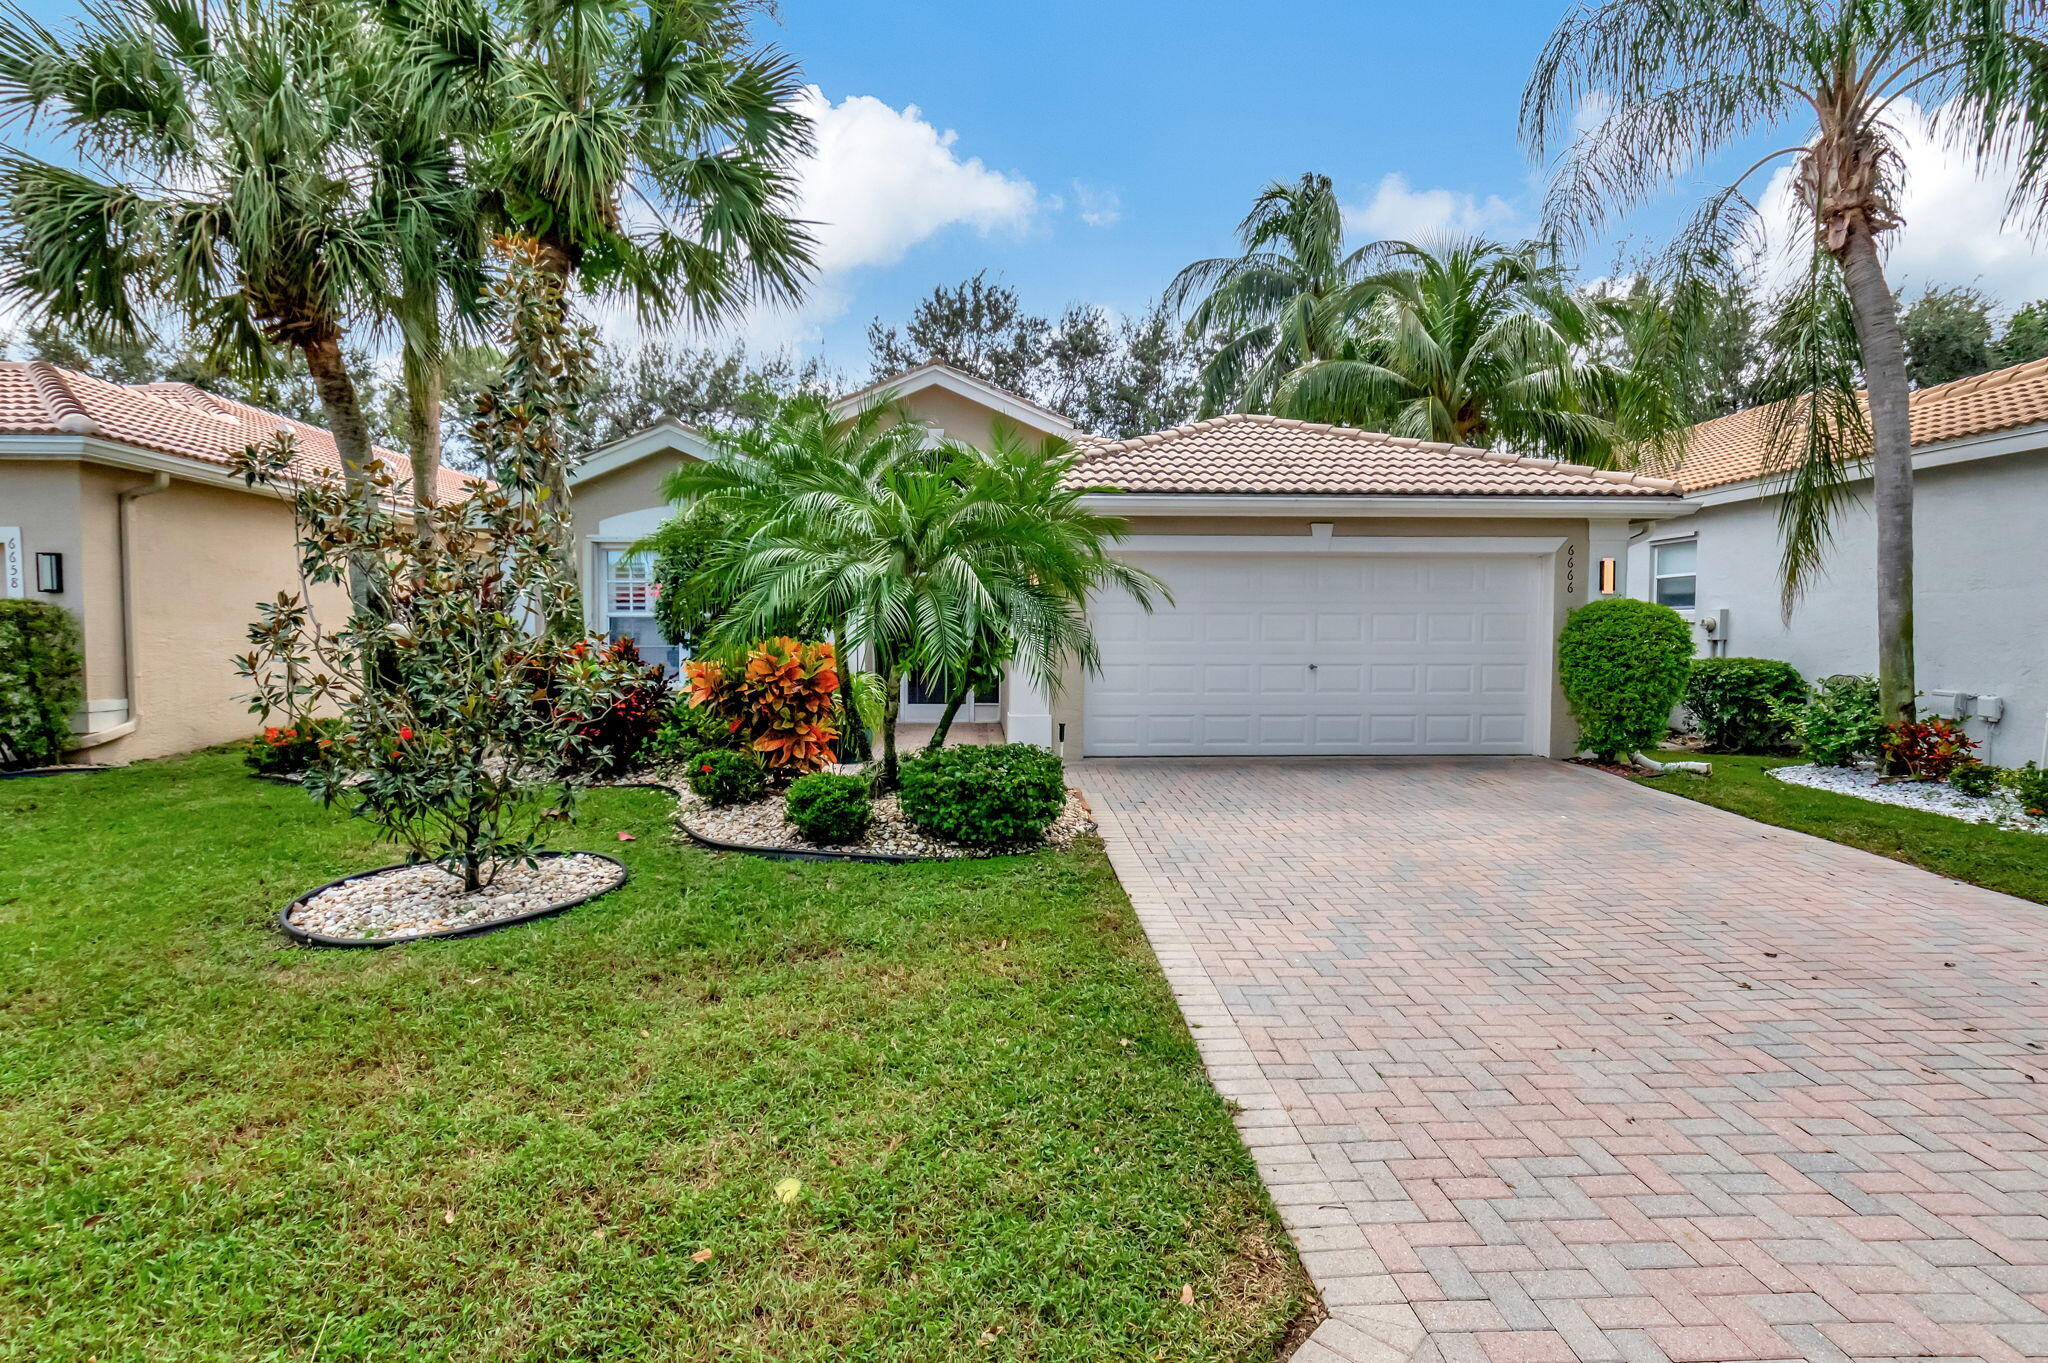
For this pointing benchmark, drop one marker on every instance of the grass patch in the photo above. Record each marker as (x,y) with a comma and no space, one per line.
(215,1145)
(1995,858)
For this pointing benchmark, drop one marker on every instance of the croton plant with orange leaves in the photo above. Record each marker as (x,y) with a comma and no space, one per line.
(782,700)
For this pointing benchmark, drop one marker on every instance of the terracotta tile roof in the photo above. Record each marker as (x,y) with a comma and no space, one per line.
(38,398)
(1734,448)
(1254,453)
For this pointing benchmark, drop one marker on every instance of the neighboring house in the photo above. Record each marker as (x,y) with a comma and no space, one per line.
(118,503)
(1334,591)
(1980,455)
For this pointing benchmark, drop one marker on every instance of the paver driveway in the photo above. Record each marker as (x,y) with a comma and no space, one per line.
(1542,1065)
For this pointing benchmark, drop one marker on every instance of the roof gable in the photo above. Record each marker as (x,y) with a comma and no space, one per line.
(667,437)
(1252,453)
(1000,401)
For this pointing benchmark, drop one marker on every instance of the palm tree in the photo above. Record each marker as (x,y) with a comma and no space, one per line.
(1284,303)
(235,210)
(580,117)
(1476,343)
(918,554)
(1680,81)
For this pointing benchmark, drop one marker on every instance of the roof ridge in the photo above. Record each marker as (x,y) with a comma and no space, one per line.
(54,387)
(1977,383)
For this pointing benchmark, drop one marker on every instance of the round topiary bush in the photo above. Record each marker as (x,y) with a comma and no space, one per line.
(828,808)
(1623,664)
(1740,704)
(1001,796)
(721,776)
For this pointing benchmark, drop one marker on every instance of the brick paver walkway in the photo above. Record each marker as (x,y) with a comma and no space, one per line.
(1541,1065)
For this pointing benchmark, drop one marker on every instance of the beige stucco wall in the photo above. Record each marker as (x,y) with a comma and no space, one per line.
(201,557)
(1571,579)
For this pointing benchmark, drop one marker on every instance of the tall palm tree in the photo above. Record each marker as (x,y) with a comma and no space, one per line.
(1476,343)
(231,201)
(1680,81)
(1285,302)
(649,146)
(918,553)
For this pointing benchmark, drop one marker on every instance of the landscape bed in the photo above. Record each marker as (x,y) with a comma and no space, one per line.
(967,1076)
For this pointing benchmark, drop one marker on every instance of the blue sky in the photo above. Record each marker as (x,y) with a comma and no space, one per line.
(1083,152)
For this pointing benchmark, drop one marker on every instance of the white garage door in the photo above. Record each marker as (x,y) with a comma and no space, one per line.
(1327,653)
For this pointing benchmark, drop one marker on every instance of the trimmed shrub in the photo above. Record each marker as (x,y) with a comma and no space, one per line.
(40,665)
(1740,704)
(1001,796)
(2030,784)
(829,808)
(1839,725)
(724,777)
(1623,664)
(1976,778)
(290,749)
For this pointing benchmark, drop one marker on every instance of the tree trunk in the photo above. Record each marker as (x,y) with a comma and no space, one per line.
(423,386)
(1891,437)
(343,408)
(892,677)
(953,704)
(559,260)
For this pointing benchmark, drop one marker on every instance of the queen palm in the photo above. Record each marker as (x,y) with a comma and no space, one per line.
(230,125)
(1285,302)
(1679,82)
(920,554)
(1476,343)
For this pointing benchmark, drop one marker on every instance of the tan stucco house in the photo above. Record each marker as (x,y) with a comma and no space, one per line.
(1334,591)
(118,503)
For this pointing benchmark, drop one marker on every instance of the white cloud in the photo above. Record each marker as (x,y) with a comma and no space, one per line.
(1398,212)
(1097,207)
(883,180)
(1953,221)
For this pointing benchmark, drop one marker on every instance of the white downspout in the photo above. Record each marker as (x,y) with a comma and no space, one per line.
(124,539)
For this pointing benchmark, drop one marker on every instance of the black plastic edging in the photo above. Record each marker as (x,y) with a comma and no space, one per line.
(804,853)
(22,773)
(316,939)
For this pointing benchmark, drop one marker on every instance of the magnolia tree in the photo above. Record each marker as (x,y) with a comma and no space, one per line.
(458,712)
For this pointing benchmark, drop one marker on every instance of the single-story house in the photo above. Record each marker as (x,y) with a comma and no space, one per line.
(1334,591)
(1980,457)
(117,502)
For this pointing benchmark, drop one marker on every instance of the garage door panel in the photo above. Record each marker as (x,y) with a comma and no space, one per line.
(1422,654)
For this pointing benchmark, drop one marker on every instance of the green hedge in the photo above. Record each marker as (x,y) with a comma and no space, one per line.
(1000,796)
(40,666)
(1740,704)
(830,808)
(1623,664)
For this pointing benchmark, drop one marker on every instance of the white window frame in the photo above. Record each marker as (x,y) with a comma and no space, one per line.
(1657,547)
(610,557)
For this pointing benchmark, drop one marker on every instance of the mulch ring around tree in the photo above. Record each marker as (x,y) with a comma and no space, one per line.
(410,903)
(761,828)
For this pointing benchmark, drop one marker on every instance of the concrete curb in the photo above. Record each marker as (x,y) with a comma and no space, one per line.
(1370,1320)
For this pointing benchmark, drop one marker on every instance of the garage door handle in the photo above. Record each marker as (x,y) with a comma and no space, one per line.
(1311,667)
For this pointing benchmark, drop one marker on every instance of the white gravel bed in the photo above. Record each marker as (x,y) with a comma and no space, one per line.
(1932,796)
(762,824)
(406,900)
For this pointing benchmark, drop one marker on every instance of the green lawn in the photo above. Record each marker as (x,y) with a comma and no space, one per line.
(517,1146)
(1995,858)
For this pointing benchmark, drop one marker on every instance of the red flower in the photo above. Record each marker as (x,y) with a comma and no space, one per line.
(405,733)
(705,767)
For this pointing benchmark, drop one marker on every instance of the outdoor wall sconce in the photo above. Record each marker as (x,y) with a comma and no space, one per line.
(1606,577)
(50,573)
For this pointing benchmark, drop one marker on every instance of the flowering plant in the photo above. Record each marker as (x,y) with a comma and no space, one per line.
(782,701)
